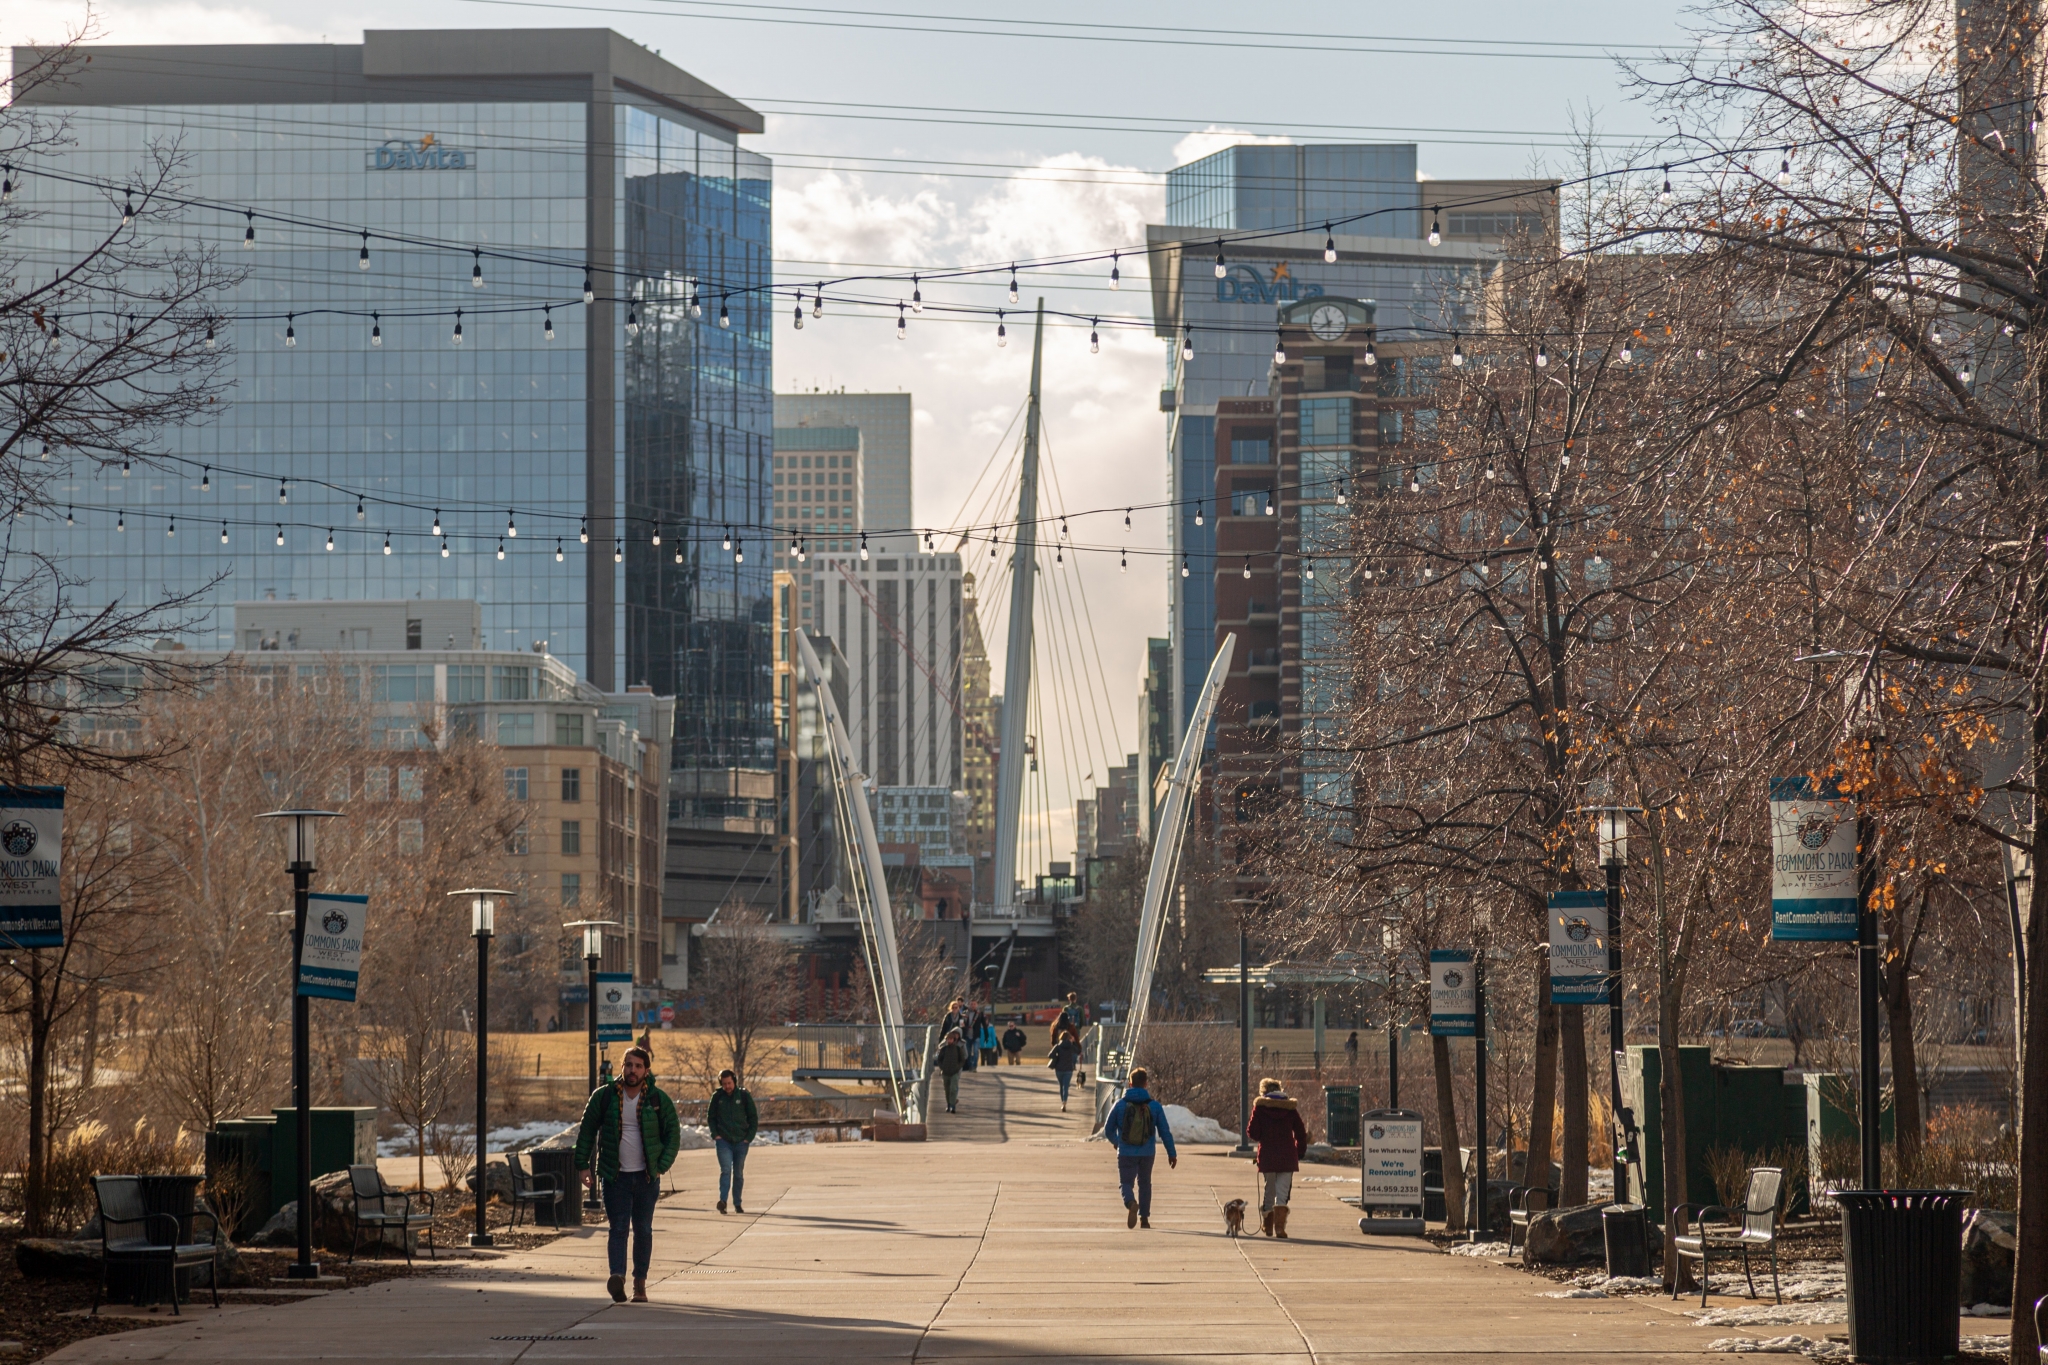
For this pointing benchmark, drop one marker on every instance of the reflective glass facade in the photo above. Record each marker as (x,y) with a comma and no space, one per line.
(1254,188)
(511,441)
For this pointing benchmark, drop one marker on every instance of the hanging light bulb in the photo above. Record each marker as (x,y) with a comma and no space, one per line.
(209,343)
(283,493)
(1059,555)
(696,303)
(1341,499)
(1664,195)
(437,521)
(1934,332)
(656,538)
(1187,343)
(928,546)
(1127,518)
(1542,356)
(632,319)
(124,466)
(1247,566)
(589,294)
(1183,566)
(547,324)
(511,526)
(799,313)
(121,521)
(916,296)
(249,232)
(863,545)
(171,529)
(7,187)
(456,338)
(387,542)
(1198,512)
(1329,246)
(1308,566)
(1094,341)
(1436,231)
(1489,468)
(476,268)
(1123,562)
(583,531)
(558,549)
(902,331)
(1785,170)
(223,533)
(1279,349)
(1457,351)
(1115,275)
(1272,504)
(291,338)
(206,479)
(1628,353)
(359,508)
(330,540)
(376,330)
(69,518)
(618,551)
(1371,357)
(727,545)
(739,550)
(1222,268)
(1002,332)
(363,256)
(724,315)
(1013,282)
(1965,374)
(444,547)
(679,552)
(817,300)
(280,534)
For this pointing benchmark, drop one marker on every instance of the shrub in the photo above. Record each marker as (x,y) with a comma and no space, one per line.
(93,1149)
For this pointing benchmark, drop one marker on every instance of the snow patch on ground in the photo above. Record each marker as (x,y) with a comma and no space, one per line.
(1583,1292)
(1787,1345)
(1771,1314)
(1598,1285)
(1986,1310)
(1188,1126)
(1482,1249)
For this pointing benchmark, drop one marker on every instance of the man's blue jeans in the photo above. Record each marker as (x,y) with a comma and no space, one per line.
(629,1201)
(732,1169)
(1136,1170)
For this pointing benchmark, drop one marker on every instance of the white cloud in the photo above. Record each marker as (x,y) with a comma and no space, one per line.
(1215,138)
(172,21)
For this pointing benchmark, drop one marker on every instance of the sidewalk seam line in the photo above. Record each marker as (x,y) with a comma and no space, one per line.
(966,1270)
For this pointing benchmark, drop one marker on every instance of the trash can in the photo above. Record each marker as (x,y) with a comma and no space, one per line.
(1902,1255)
(1626,1230)
(560,1162)
(1340,1110)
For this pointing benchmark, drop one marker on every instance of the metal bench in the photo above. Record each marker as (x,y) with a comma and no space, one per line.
(1753,1227)
(536,1189)
(380,1208)
(1524,1203)
(131,1235)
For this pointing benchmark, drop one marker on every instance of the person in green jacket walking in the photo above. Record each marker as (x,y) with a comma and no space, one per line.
(733,1121)
(631,1128)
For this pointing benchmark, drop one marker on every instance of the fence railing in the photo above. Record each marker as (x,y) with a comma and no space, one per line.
(857,1052)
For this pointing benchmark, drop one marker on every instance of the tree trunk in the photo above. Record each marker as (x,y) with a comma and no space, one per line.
(2030,1257)
(1671,1100)
(1447,1136)
(1543,1085)
(34,1206)
(1572,1059)
(1898,1008)
(89,1062)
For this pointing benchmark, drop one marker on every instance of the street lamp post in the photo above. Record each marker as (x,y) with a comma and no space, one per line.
(1610,829)
(482,925)
(1390,938)
(593,953)
(299,862)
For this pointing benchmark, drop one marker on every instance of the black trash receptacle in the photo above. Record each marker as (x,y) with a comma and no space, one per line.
(1340,1115)
(560,1163)
(1626,1230)
(1902,1253)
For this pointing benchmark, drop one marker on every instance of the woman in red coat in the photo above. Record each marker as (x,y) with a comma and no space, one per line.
(1282,1140)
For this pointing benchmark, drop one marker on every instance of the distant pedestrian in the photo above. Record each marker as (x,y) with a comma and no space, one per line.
(958,1016)
(951,1061)
(1137,1124)
(1013,1042)
(1282,1139)
(1351,1050)
(1071,1018)
(630,1128)
(734,1122)
(1066,1055)
(990,1048)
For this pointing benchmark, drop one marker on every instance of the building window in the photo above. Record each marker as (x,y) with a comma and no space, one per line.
(572,838)
(515,842)
(337,788)
(511,682)
(1252,449)
(572,890)
(376,784)
(1325,421)
(572,784)
(412,837)
(412,634)
(569,730)
(515,784)
(402,682)
(465,682)
(412,784)
(515,727)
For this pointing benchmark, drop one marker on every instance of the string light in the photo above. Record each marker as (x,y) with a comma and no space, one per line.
(1664,195)
(618,551)
(387,542)
(1308,566)
(69,519)
(1127,518)
(558,549)
(121,521)
(1341,500)
(1785,170)
(863,546)
(1222,268)
(1458,351)
(1013,282)
(127,207)
(280,533)
(679,552)
(696,303)
(1436,232)
(1123,562)
(1094,341)
(1183,566)
(1002,332)
(511,526)
(283,492)
(249,232)
(901,327)
(547,324)
(1371,357)
(727,545)
(583,530)
(223,533)
(437,521)
(1279,348)
(928,546)
(455,339)
(7,187)
(124,466)
(476,269)
(1198,511)
(589,294)
(1115,275)
(799,313)
(739,550)
(291,338)
(916,297)
(209,343)
(330,540)
(724,315)
(1329,246)
(632,319)
(1247,567)
(1272,503)
(1628,353)
(1965,374)
(1187,343)
(359,508)
(1542,356)
(171,529)
(444,547)
(376,330)
(656,538)
(817,300)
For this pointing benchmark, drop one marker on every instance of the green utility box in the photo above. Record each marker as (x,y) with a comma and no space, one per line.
(343,1136)
(1833,1133)
(1749,1107)
(247,1145)
(1340,1115)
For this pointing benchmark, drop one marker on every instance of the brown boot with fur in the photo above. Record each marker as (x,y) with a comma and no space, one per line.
(639,1289)
(1266,1222)
(1280,1222)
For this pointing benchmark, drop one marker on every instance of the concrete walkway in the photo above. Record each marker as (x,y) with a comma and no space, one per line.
(1002,1239)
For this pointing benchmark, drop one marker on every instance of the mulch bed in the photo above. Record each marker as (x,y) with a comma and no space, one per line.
(33,1311)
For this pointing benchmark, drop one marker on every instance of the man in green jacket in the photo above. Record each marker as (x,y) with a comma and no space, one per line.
(630,1126)
(733,1121)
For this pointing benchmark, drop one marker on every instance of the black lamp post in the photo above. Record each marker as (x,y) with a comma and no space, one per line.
(299,862)
(593,953)
(1610,828)
(483,907)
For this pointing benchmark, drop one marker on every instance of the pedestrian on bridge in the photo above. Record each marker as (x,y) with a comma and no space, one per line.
(1137,1124)
(1070,1019)
(1013,1042)
(991,1051)
(631,1131)
(951,1061)
(1066,1055)
(734,1121)
(1282,1139)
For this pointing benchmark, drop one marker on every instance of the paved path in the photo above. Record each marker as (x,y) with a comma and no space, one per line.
(1000,1240)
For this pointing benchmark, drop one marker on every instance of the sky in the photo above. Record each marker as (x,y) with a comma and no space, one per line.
(941,133)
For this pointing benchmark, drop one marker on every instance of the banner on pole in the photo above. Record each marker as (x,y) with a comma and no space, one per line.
(333,954)
(1813,862)
(1578,947)
(31,861)
(1453,1001)
(614,1007)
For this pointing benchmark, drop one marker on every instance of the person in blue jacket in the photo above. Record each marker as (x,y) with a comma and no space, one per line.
(1136,1125)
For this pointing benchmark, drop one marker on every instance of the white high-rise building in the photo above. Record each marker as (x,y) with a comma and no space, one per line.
(884,421)
(897,619)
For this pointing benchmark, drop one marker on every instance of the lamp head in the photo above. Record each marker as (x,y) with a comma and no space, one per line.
(298,833)
(593,935)
(483,908)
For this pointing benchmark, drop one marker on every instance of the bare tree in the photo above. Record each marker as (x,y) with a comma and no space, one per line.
(746,972)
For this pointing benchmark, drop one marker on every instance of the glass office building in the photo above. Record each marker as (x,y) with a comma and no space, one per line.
(367,448)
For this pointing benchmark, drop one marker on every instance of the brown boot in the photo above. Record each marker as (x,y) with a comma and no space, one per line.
(1266,1222)
(639,1289)
(616,1287)
(1280,1222)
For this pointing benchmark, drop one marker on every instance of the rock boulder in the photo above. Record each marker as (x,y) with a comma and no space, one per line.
(57,1258)
(1565,1236)
(1990,1236)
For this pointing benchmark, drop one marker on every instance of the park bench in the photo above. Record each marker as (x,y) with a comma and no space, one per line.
(1524,1203)
(381,1208)
(1753,1227)
(537,1189)
(130,1235)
